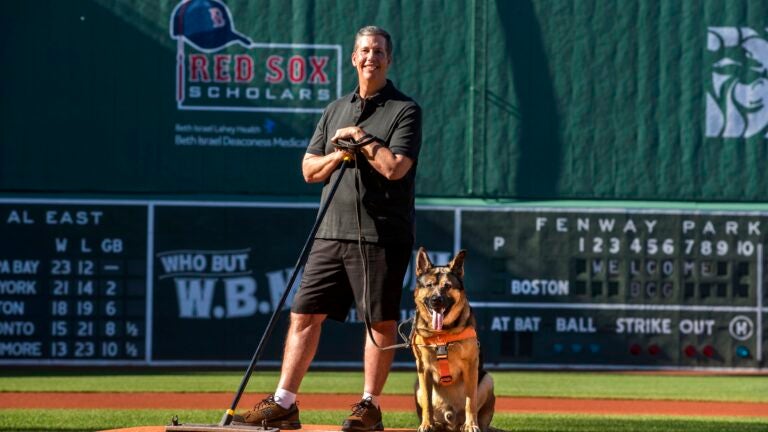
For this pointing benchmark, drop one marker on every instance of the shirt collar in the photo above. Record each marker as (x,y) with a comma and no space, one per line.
(379,98)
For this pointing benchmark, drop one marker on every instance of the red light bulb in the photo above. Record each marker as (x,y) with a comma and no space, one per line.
(690,351)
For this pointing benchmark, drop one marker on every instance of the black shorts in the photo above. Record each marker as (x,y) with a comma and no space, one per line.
(333,280)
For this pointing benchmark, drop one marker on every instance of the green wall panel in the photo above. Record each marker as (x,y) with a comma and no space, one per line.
(588,99)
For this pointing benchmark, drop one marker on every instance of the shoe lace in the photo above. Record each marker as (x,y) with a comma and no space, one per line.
(359,408)
(268,401)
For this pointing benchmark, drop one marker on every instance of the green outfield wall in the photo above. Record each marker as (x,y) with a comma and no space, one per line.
(603,162)
(590,99)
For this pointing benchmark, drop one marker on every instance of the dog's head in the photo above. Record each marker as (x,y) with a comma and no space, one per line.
(439,293)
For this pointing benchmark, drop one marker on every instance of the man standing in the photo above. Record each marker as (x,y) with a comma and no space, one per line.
(388,123)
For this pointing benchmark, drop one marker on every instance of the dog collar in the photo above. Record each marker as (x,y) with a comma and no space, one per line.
(444,338)
(440,341)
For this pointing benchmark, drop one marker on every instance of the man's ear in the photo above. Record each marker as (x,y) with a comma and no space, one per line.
(422,262)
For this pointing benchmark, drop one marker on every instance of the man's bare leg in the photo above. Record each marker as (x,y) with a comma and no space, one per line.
(300,347)
(378,362)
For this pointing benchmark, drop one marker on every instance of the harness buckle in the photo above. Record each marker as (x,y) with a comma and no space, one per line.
(441,351)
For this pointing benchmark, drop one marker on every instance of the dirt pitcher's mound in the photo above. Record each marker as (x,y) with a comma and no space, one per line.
(138,429)
(308,428)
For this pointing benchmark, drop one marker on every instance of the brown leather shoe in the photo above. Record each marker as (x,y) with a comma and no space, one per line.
(365,417)
(270,412)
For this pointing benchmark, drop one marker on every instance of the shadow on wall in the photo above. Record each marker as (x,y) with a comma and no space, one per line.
(538,170)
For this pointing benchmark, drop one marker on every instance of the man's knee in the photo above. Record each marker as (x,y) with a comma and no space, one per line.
(384,326)
(306,322)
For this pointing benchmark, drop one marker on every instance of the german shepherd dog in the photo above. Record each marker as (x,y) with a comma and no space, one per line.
(453,392)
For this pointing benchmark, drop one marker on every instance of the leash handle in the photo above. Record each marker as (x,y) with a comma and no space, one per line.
(353,145)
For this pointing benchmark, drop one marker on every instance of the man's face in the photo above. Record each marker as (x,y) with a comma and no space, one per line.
(370,58)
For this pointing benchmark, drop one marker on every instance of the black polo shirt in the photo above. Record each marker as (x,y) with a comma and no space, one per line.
(388,206)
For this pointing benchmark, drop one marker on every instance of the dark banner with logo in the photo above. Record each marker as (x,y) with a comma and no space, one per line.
(220,273)
(195,283)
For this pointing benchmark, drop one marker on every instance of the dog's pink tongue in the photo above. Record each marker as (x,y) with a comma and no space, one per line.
(437,320)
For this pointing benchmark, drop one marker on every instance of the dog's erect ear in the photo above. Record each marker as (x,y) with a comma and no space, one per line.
(457,264)
(422,262)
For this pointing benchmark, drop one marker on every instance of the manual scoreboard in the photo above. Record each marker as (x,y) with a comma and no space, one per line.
(623,287)
(194,283)
(72,282)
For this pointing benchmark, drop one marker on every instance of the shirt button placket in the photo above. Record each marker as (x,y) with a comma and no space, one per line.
(358,112)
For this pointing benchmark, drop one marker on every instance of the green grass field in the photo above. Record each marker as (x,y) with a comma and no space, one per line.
(531,384)
(534,384)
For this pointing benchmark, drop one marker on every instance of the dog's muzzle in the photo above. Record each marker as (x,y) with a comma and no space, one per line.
(438,306)
(437,302)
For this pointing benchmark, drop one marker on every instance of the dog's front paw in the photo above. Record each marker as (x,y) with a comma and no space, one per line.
(470,427)
(426,427)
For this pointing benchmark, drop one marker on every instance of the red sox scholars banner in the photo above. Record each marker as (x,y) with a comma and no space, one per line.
(221,69)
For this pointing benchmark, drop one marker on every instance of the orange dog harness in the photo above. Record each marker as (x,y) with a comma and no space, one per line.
(440,342)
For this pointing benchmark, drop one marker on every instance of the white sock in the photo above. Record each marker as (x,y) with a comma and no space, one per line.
(374,398)
(284,398)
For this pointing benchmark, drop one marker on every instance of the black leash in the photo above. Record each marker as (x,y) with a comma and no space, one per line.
(364,258)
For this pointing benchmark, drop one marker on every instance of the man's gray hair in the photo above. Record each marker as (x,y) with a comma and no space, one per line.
(375,31)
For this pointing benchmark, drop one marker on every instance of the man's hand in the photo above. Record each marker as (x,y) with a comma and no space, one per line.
(317,168)
(391,166)
(345,154)
(353,132)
